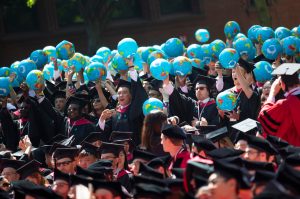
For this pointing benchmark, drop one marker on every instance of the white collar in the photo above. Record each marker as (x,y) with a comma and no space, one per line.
(204,101)
(294,91)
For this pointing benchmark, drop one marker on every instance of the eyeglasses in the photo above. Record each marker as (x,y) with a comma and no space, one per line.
(200,88)
(58,164)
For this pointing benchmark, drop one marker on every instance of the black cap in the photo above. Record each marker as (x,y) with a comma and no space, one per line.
(249,67)
(114,187)
(224,153)
(208,81)
(286,69)
(202,143)
(79,180)
(123,83)
(148,171)
(234,171)
(58,138)
(289,150)
(254,165)
(120,135)
(4,163)
(61,153)
(150,190)
(261,145)
(156,84)
(148,180)
(289,177)
(277,142)
(113,148)
(236,160)
(58,175)
(59,94)
(262,176)
(75,100)
(293,159)
(89,148)
(29,168)
(62,85)
(101,165)
(159,162)
(95,136)
(91,173)
(55,146)
(68,141)
(217,135)
(173,131)
(25,187)
(144,155)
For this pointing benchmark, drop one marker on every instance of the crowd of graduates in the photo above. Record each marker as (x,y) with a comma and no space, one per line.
(76,139)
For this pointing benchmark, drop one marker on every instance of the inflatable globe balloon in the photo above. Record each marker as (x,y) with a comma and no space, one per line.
(263,71)
(97,58)
(182,66)
(94,70)
(48,71)
(127,47)
(65,50)
(160,69)
(4,86)
(78,61)
(264,33)
(231,29)
(35,80)
(62,65)
(118,63)
(296,31)
(195,51)
(198,63)
(282,32)
(271,48)
(174,47)
(252,33)
(243,45)
(25,67)
(138,62)
(50,51)
(207,57)
(5,71)
(104,52)
(226,101)
(202,35)
(228,58)
(152,104)
(239,35)
(216,47)
(252,54)
(146,51)
(289,45)
(156,55)
(39,58)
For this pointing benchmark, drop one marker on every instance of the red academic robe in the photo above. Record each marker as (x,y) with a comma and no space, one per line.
(282,119)
(180,160)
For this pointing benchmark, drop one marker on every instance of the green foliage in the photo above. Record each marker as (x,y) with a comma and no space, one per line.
(31,3)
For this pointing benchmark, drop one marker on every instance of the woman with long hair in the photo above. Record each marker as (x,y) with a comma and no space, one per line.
(151,132)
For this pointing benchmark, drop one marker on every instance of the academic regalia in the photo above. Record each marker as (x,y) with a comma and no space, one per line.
(123,176)
(282,119)
(129,118)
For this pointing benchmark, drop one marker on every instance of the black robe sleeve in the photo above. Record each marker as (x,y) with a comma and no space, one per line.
(10,131)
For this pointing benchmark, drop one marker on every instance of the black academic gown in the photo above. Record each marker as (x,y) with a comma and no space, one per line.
(186,108)
(131,118)
(124,178)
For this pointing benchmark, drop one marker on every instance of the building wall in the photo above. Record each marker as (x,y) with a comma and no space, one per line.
(210,14)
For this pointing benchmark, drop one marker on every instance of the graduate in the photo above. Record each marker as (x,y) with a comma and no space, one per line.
(281,118)
(203,111)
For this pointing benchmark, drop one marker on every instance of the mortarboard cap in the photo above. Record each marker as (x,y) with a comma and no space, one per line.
(58,175)
(159,162)
(4,163)
(217,135)
(224,153)
(25,187)
(91,173)
(261,145)
(246,125)
(254,165)
(286,69)
(46,149)
(150,190)
(123,83)
(101,166)
(89,148)
(236,172)
(59,94)
(143,155)
(236,160)
(61,153)
(113,148)
(173,131)
(201,79)
(156,84)
(148,180)
(95,136)
(114,187)
(68,141)
(55,146)
(62,85)
(148,171)
(75,100)
(29,168)
(289,177)
(79,179)
(262,176)
(249,67)
(277,142)
(202,143)
(289,150)
(120,135)
(293,160)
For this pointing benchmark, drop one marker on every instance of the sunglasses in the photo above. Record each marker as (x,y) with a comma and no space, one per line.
(200,88)
(63,163)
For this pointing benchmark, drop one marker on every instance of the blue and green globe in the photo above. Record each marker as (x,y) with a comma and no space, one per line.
(226,100)
(35,80)
(152,104)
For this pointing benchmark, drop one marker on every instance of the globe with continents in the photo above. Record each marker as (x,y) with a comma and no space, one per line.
(160,69)
(35,79)
(95,70)
(152,104)
(182,66)
(4,86)
(226,100)
(65,50)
